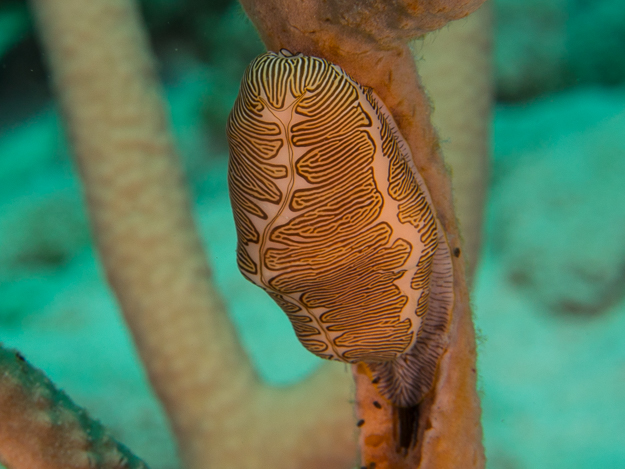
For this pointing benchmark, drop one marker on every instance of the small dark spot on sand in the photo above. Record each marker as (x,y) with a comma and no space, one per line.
(457,252)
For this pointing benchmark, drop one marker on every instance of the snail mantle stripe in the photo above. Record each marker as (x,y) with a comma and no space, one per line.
(335,223)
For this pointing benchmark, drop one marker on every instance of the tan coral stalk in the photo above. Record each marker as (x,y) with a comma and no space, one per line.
(369,40)
(223,416)
(455,66)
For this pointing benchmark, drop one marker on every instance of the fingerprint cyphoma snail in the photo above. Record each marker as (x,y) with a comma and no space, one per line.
(335,223)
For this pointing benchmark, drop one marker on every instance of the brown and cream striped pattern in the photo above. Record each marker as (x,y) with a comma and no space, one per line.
(335,223)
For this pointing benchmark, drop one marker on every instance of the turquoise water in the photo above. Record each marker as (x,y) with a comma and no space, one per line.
(549,291)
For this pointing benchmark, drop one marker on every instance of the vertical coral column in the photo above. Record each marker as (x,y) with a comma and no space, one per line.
(455,66)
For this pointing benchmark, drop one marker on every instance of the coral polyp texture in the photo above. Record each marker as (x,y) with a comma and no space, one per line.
(335,223)
(43,428)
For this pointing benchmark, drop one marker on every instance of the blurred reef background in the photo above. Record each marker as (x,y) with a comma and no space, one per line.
(549,293)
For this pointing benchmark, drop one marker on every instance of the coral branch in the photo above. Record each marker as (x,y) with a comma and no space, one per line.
(41,427)
(455,66)
(369,41)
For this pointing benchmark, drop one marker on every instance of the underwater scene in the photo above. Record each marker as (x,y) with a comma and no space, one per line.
(547,290)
